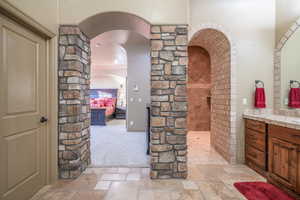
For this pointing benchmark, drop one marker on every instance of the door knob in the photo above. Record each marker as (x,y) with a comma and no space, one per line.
(43,119)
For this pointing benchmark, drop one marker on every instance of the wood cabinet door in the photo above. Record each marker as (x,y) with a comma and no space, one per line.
(283,162)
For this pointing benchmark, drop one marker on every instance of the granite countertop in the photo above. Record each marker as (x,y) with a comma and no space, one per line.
(280,120)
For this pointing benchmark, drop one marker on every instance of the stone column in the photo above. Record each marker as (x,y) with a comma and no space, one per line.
(168,101)
(74,110)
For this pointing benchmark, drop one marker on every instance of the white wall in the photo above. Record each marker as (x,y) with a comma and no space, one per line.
(287,12)
(252,27)
(290,65)
(154,11)
(138,73)
(107,82)
(251,23)
(43,11)
(50,13)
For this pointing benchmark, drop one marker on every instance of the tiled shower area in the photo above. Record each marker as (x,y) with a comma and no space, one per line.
(199,89)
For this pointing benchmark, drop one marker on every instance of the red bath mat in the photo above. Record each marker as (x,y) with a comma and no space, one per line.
(261,191)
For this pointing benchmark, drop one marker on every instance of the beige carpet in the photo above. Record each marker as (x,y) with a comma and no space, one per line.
(113,146)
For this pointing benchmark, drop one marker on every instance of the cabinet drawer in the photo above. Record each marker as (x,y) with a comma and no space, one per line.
(256,125)
(256,139)
(256,156)
(287,134)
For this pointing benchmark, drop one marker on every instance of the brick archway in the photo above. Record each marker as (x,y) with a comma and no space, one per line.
(219,47)
(168,96)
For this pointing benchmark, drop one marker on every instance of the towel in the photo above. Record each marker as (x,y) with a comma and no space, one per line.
(294,98)
(260,98)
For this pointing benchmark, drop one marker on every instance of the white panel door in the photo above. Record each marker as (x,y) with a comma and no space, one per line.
(23,77)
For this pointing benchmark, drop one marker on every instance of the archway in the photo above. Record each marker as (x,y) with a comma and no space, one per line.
(168,89)
(103,22)
(219,48)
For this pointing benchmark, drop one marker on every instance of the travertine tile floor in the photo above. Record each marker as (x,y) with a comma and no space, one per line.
(210,178)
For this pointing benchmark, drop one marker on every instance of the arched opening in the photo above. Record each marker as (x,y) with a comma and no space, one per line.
(103,22)
(118,104)
(166,125)
(120,52)
(217,46)
(112,53)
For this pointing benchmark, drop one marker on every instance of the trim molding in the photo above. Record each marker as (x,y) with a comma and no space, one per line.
(17,15)
(24,20)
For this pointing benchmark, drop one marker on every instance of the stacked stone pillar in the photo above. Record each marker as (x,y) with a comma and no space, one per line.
(74,110)
(168,101)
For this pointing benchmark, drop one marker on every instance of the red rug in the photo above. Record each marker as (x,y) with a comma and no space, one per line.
(261,191)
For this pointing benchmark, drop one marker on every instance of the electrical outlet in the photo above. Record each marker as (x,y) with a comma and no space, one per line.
(245,101)
(131,99)
(140,100)
(131,123)
(286,101)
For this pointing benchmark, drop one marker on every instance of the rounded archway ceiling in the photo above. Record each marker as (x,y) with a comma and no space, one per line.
(109,21)
(107,50)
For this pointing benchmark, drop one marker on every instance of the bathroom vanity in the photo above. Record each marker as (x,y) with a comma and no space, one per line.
(272,141)
(272,148)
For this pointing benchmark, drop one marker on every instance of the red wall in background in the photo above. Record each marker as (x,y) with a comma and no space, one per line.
(198,89)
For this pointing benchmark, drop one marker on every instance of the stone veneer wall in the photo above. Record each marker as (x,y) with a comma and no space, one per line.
(277,74)
(74,110)
(218,46)
(168,101)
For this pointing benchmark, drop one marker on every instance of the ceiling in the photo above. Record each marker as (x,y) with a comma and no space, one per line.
(107,50)
(108,55)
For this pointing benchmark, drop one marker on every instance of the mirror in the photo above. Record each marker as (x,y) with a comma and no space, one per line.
(290,71)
